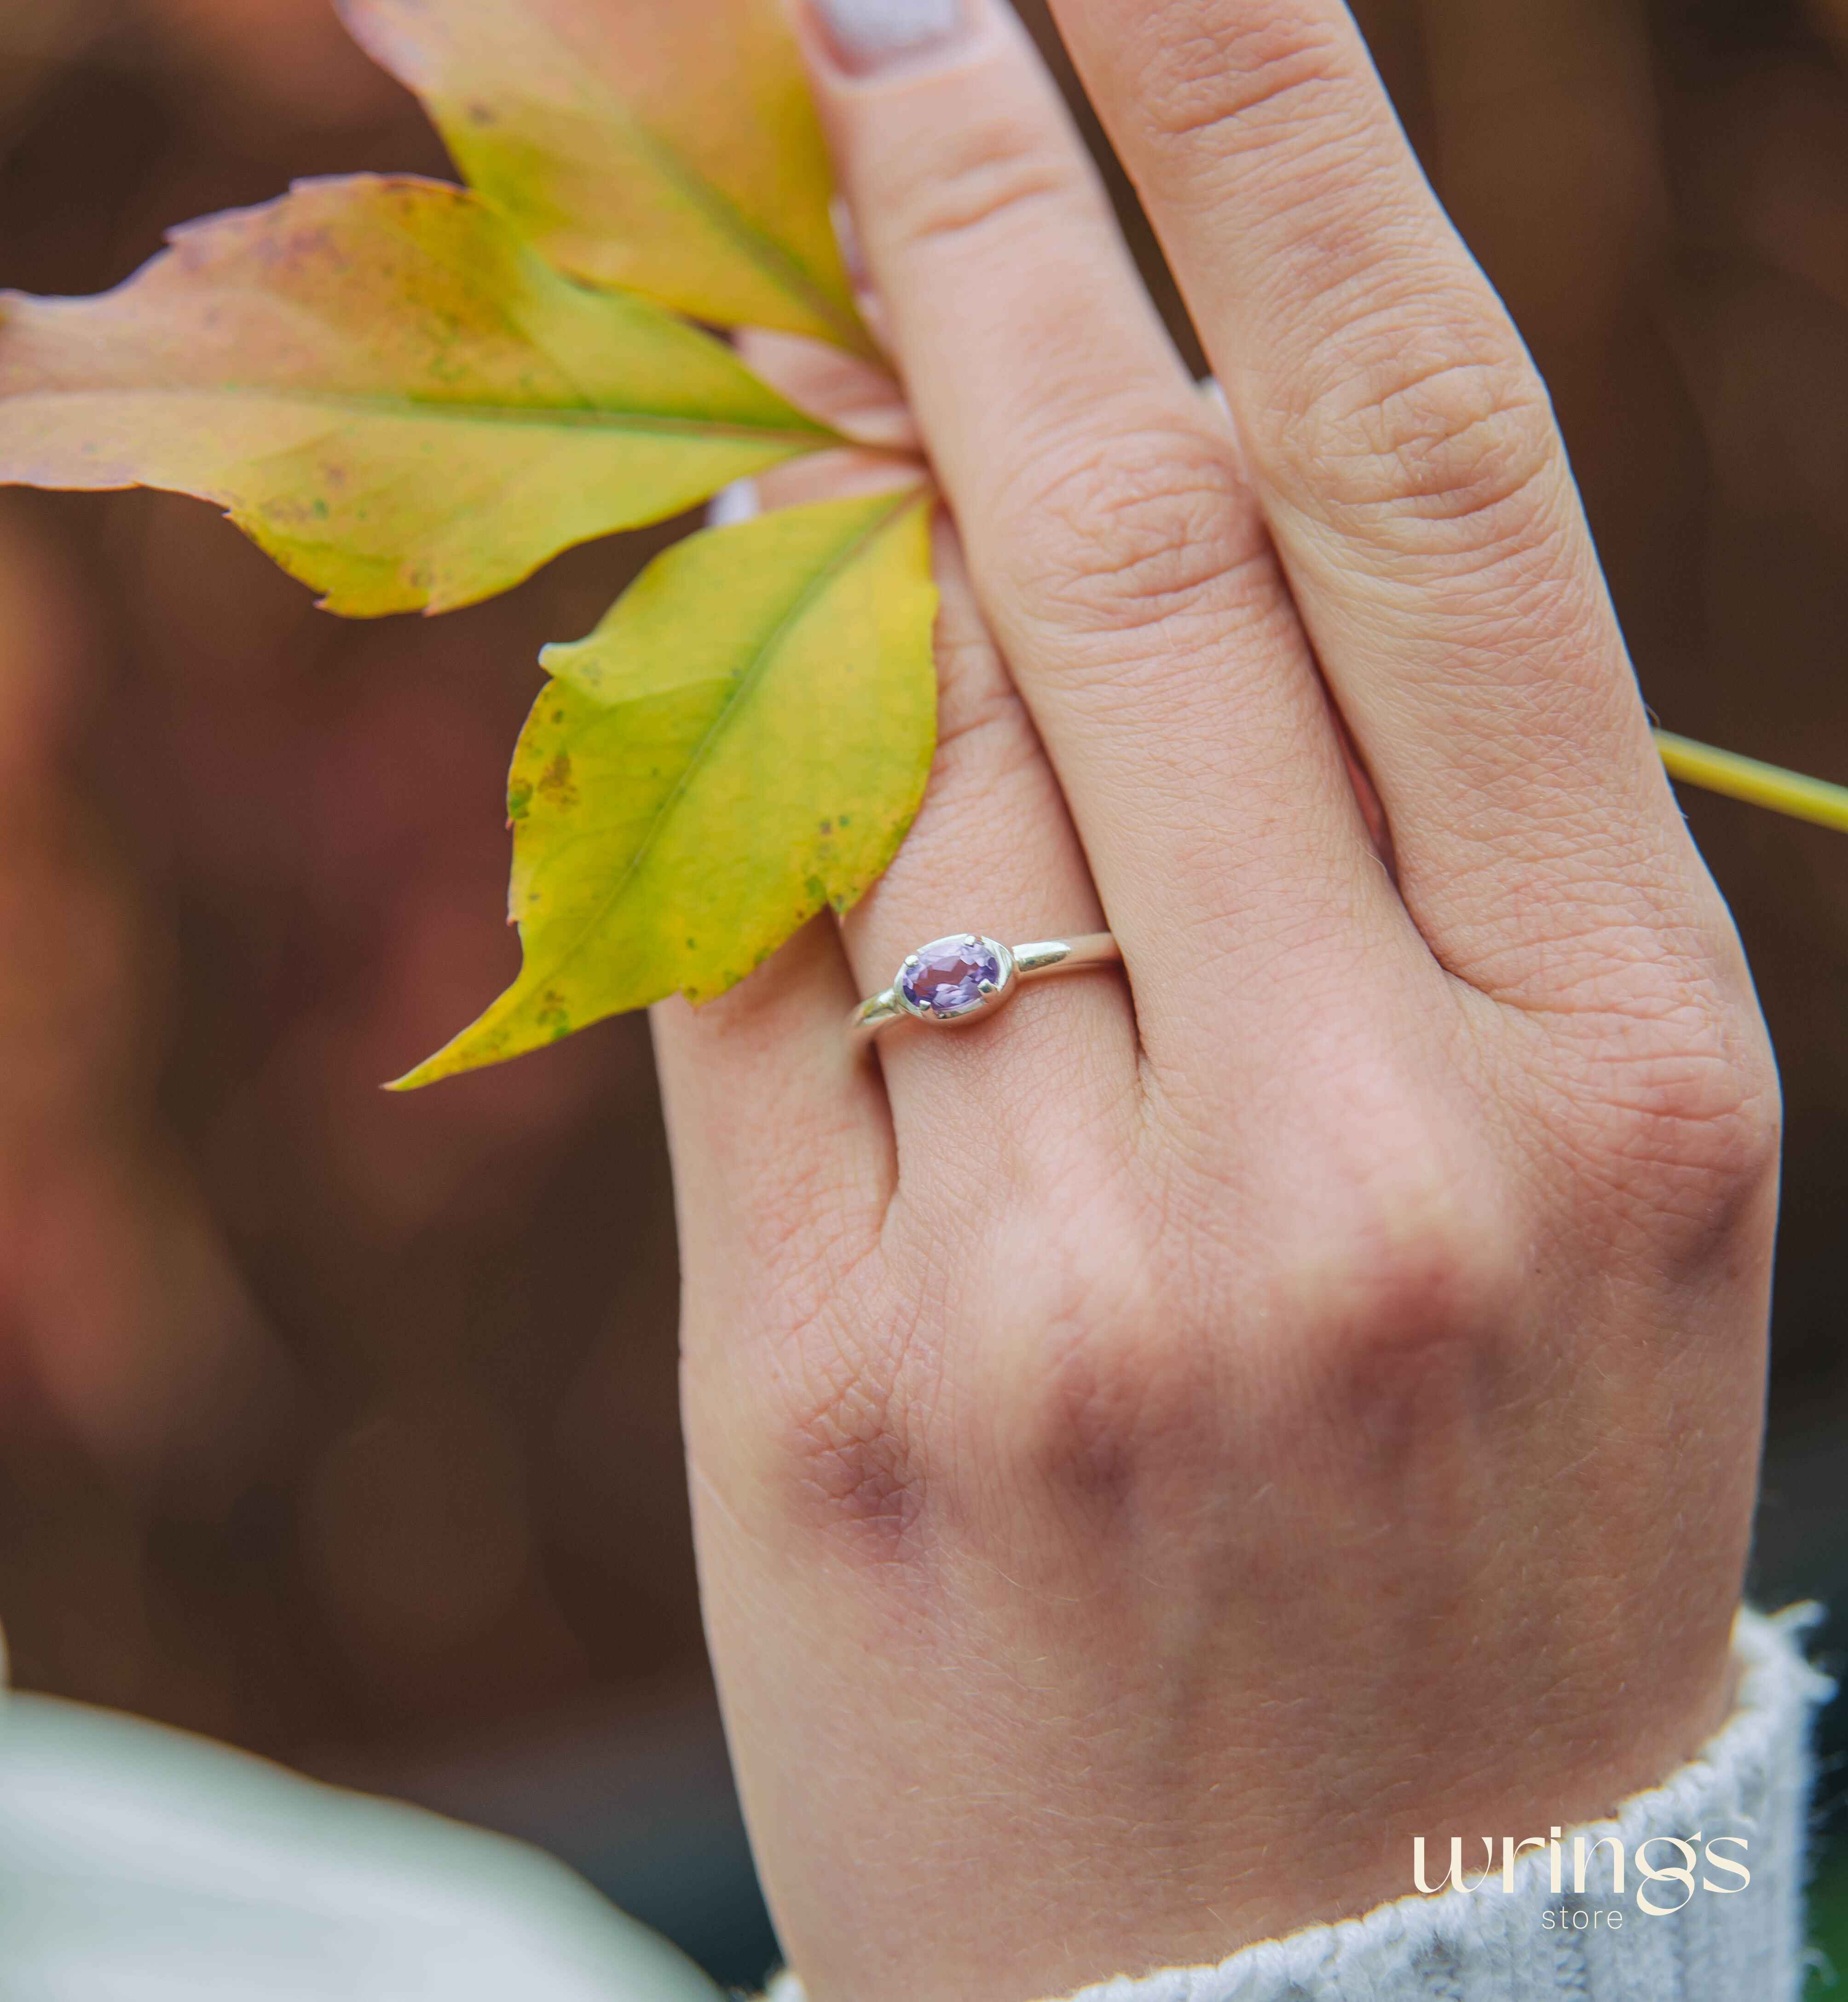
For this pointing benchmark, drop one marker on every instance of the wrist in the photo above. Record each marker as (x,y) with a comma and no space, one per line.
(1511,1934)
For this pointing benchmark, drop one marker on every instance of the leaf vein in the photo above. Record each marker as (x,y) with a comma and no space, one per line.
(753,672)
(512,415)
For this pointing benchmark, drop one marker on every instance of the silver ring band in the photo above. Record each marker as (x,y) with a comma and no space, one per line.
(958,978)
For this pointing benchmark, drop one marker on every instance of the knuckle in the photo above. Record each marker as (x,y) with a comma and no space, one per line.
(1408,1245)
(1674,1107)
(989,757)
(899,1407)
(1408,1300)
(848,1460)
(1400,1277)
(982,722)
(1707,1124)
(841,1425)
(1113,1379)
(1427,1267)
(1390,1241)
(1250,74)
(955,182)
(1460,448)
(1136,526)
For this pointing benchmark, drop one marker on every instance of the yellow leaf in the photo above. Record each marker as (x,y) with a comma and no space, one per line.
(386,388)
(670,146)
(743,740)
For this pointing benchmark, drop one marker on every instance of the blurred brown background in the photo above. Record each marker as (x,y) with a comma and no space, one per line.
(342,1425)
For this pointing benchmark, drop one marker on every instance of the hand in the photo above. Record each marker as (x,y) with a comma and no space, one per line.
(1156,1450)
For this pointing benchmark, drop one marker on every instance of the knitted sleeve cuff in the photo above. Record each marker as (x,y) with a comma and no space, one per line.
(1731,1928)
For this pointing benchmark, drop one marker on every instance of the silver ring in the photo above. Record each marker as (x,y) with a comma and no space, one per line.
(957,979)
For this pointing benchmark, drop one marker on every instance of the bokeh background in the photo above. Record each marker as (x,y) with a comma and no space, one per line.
(342,1425)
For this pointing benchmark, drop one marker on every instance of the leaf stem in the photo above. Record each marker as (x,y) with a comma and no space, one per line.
(1759,784)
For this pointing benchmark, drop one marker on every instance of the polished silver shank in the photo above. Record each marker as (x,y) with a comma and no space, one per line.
(1013,965)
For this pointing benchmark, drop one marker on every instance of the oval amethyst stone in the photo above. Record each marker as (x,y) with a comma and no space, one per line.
(944,978)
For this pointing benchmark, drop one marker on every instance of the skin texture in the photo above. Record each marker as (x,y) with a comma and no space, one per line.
(1158,1450)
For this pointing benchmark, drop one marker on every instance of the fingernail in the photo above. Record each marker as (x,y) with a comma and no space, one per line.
(732,505)
(866,35)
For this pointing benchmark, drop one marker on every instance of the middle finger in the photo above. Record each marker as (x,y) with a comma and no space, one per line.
(1414,478)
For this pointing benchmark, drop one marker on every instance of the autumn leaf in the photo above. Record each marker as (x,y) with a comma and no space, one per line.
(668,147)
(744,740)
(387,390)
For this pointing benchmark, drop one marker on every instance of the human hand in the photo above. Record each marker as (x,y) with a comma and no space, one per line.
(1156,1449)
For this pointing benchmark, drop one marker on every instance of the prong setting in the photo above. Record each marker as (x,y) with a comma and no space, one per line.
(954,978)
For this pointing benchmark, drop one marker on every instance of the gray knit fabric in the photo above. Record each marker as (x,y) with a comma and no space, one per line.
(1491,1945)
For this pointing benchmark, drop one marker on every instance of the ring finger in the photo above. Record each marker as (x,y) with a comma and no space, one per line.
(1118,554)
(993,851)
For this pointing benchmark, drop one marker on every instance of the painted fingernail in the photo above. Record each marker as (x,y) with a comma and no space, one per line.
(866,35)
(732,505)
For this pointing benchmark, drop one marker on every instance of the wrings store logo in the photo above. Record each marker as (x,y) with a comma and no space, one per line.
(1692,1870)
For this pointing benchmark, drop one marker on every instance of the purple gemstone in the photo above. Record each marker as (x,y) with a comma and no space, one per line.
(944,978)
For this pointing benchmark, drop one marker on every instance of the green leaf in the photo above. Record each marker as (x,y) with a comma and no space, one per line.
(668,147)
(387,390)
(743,740)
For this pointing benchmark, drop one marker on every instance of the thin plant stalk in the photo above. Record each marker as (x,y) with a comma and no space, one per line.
(1749,779)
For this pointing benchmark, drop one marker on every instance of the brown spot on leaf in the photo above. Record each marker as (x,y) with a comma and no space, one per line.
(555,781)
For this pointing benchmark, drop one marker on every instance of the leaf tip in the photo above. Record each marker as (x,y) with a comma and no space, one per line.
(464,1052)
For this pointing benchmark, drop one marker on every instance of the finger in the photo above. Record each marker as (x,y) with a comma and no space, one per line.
(782,1144)
(781,1139)
(858,400)
(1543,119)
(1409,465)
(992,851)
(1116,553)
